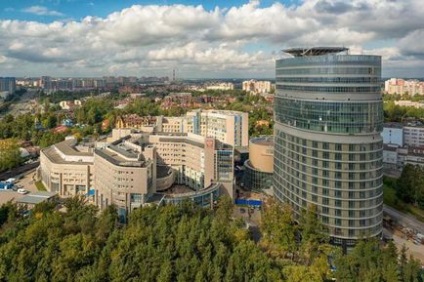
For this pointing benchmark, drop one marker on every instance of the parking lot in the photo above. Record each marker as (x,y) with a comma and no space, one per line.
(26,182)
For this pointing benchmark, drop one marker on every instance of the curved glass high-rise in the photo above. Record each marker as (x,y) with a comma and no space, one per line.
(328,148)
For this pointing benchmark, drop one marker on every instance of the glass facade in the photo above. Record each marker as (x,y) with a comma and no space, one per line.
(338,117)
(255,180)
(328,148)
(204,198)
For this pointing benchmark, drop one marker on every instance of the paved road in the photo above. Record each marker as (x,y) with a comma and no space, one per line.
(404,219)
(19,170)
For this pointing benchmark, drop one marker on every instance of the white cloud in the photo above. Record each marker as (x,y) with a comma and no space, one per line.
(241,41)
(42,11)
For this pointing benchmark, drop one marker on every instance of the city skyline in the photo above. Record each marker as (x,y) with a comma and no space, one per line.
(236,39)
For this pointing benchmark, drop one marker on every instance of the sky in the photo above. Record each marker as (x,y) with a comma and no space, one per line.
(201,39)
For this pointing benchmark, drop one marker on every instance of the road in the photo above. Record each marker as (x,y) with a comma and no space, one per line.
(18,170)
(404,219)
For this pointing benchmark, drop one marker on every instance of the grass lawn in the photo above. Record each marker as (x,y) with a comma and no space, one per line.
(40,186)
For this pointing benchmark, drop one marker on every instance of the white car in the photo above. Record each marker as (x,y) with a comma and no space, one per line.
(22,191)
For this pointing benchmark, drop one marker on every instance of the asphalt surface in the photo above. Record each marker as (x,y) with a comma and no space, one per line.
(404,219)
(18,170)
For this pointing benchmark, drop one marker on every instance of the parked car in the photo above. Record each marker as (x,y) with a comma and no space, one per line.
(22,191)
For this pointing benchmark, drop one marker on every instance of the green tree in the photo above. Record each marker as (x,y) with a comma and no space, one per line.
(10,155)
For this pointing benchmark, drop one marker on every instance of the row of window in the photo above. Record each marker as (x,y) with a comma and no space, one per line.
(331,60)
(331,89)
(373,80)
(375,146)
(331,70)
(335,117)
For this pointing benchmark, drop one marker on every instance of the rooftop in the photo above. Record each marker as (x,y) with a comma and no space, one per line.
(67,147)
(314,51)
(263,140)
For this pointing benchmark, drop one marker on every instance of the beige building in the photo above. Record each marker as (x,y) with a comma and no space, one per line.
(124,174)
(132,168)
(256,87)
(229,127)
(401,86)
(260,165)
(66,168)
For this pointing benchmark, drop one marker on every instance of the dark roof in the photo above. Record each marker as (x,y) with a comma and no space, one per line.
(263,140)
(314,51)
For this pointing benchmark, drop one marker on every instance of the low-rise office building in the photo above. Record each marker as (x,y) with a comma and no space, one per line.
(139,168)
(67,169)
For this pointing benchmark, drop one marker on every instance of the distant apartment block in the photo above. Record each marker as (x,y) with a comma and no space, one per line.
(256,87)
(403,144)
(401,87)
(7,86)
(409,134)
(220,86)
(408,103)
(229,127)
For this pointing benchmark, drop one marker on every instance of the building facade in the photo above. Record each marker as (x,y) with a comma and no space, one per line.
(7,86)
(124,175)
(67,169)
(257,87)
(229,127)
(133,168)
(260,165)
(328,147)
(402,87)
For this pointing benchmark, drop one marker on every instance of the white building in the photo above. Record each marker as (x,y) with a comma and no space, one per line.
(393,134)
(257,87)
(221,86)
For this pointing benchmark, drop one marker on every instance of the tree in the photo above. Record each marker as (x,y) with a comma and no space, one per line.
(410,185)
(10,155)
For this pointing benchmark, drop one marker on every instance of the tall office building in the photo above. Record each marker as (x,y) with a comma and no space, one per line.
(328,148)
(7,86)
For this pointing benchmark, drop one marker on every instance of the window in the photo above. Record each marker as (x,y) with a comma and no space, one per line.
(338,194)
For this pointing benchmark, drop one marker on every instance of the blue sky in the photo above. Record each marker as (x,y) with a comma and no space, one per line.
(78,9)
(201,39)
